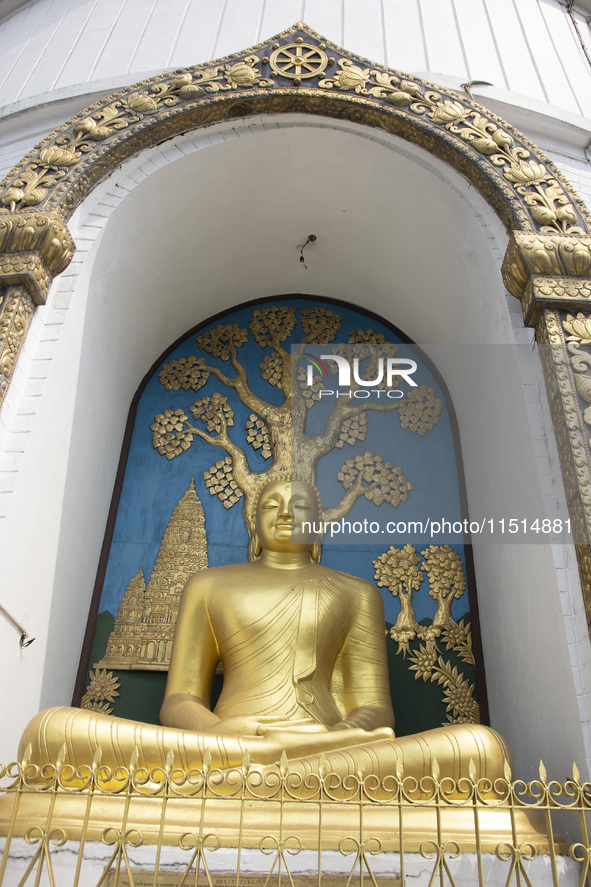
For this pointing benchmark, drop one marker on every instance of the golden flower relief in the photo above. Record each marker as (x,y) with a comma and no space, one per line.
(242,74)
(578,328)
(448,112)
(526,173)
(351,76)
(399,569)
(56,156)
(101,690)
(141,103)
(424,661)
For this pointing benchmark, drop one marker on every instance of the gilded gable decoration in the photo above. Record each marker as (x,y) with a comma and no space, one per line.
(308,74)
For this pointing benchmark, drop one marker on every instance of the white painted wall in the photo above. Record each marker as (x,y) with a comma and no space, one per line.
(399,234)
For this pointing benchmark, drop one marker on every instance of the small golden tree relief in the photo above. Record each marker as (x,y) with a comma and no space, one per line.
(397,570)
(444,569)
(400,570)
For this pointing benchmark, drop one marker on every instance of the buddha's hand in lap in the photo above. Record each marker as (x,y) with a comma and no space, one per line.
(348,735)
(253,725)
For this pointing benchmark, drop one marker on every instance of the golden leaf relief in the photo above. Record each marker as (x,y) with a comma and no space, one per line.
(320,325)
(397,569)
(186,373)
(271,426)
(272,325)
(215,412)
(420,411)
(257,435)
(400,570)
(220,482)
(352,430)
(359,337)
(444,568)
(385,483)
(222,341)
(169,435)
(272,369)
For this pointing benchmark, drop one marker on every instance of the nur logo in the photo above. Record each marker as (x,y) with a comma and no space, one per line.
(387,371)
(314,363)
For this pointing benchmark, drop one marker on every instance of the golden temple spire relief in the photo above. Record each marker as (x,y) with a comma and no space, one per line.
(142,635)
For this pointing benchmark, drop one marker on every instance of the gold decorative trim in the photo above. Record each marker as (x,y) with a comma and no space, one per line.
(29,270)
(571,436)
(553,292)
(16,312)
(565,289)
(542,269)
(34,247)
(362,821)
(549,254)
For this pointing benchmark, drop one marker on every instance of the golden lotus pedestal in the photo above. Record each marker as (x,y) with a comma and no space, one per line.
(245,822)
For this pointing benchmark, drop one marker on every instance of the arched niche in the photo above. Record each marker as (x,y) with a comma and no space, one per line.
(185,504)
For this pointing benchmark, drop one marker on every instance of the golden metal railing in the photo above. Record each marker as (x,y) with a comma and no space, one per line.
(285,826)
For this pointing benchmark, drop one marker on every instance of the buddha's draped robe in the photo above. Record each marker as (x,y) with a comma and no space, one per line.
(315,655)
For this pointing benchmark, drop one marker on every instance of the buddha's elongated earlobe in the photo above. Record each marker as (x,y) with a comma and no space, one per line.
(257,548)
(315,553)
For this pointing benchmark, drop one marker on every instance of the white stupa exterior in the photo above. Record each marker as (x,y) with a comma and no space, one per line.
(211,218)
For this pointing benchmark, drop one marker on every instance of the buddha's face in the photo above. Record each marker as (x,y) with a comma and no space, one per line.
(282,509)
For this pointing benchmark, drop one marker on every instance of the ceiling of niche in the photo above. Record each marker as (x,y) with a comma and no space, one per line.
(222,226)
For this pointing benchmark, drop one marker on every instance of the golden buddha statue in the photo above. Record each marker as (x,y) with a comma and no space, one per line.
(305,673)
